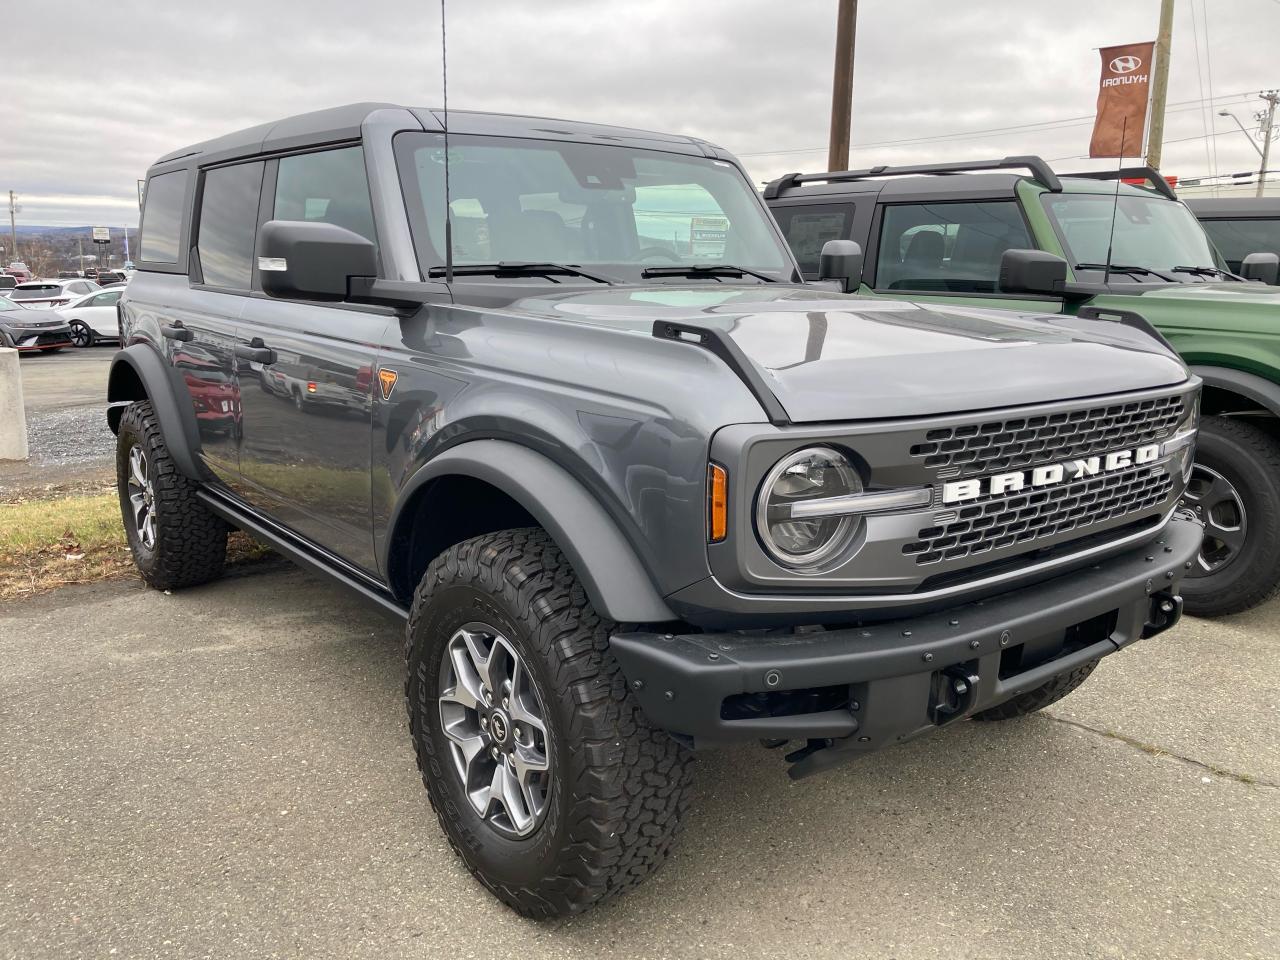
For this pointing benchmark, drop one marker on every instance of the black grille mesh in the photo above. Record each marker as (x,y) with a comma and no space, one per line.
(999,522)
(979,448)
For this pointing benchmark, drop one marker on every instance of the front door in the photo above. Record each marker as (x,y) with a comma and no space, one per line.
(307,376)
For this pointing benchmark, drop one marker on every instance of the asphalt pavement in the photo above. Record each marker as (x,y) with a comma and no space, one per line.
(65,397)
(225,772)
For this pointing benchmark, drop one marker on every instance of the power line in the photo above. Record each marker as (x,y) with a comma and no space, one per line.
(1042,125)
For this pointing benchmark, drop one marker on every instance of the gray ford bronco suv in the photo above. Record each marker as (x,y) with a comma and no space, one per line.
(635,487)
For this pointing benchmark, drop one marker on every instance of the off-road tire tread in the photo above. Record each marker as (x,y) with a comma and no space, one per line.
(1262,581)
(1040,697)
(630,783)
(191,542)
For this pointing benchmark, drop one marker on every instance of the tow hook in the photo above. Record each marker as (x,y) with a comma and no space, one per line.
(956,694)
(1166,610)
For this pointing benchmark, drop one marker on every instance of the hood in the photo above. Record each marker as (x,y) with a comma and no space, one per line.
(830,357)
(1216,292)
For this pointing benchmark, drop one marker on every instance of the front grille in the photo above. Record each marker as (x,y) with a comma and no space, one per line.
(1009,519)
(978,448)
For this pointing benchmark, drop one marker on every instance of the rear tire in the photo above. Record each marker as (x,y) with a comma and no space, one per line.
(615,790)
(1040,697)
(1235,489)
(176,542)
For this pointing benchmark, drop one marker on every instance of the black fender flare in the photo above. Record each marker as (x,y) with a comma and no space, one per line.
(163,386)
(1249,385)
(612,574)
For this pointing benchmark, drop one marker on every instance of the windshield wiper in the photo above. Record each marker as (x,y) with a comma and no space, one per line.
(520,268)
(1124,268)
(1207,272)
(705,270)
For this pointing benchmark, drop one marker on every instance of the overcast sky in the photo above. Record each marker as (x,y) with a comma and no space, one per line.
(96,93)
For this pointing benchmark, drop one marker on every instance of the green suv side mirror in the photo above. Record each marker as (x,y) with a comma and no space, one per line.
(841,260)
(1261,266)
(302,260)
(1032,271)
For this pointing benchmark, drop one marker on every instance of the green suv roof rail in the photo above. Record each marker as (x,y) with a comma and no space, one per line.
(1040,172)
(1150,174)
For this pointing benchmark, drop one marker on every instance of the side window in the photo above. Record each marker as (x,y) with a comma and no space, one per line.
(808,226)
(228,219)
(108,299)
(1236,239)
(162,217)
(952,247)
(329,187)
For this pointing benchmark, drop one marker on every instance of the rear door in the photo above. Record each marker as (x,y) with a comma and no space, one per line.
(98,312)
(307,388)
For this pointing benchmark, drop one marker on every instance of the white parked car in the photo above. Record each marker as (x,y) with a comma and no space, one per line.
(93,317)
(44,294)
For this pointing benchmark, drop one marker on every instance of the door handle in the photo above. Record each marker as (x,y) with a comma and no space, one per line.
(255,351)
(177,332)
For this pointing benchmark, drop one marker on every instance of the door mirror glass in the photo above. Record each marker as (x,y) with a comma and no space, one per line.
(299,260)
(1032,271)
(841,260)
(1261,266)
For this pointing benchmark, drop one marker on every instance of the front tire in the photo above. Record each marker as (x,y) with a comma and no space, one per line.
(1235,490)
(176,542)
(81,335)
(502,632)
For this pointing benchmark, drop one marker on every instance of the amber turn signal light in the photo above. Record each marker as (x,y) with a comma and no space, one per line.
(717,503)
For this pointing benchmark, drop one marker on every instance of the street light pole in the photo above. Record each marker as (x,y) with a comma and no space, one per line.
(842,86)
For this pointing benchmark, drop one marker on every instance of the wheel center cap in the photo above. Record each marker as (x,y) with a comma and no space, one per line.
(499,727)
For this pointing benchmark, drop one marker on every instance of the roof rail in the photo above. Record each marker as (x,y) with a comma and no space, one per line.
(1040,172)
(1150,174)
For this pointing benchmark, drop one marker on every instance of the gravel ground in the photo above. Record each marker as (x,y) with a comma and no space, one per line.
(225,772)
(70,444)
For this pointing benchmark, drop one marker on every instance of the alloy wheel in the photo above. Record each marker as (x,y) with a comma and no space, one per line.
(142,497)
(1217,503)
(494,721)
(81,335)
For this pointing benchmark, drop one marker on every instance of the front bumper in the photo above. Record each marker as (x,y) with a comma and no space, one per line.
(40,338)
(862,688)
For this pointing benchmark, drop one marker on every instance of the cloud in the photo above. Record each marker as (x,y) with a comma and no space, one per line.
(82,121)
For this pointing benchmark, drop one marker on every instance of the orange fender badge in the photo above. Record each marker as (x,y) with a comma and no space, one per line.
(388,380)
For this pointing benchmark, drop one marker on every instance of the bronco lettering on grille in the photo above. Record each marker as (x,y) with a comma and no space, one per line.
(959,491)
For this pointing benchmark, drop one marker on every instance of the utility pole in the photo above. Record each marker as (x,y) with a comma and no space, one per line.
(13,221)
(842,86)
(1160,85)
(1267,118)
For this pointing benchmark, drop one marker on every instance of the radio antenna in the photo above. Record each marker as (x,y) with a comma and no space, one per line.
(1115,206)
(448,213)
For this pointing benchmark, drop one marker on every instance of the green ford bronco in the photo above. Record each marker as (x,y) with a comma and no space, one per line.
(1013,235)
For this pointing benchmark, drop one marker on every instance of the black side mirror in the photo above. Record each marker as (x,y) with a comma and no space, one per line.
(1261,266)
(1032,271)
(841,260)
(300,260)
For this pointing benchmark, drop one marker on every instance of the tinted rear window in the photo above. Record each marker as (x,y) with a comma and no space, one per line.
(8,283)
(162,217)
(43,291)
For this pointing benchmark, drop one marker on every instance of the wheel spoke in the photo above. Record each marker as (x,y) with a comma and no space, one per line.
(1231,537)
(481,659)
(466,688)
(137,474)
(139,505)
(529,761)
(507,791)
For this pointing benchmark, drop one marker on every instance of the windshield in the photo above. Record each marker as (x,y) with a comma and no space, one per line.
(1150,232)
(6,305)
(614,210)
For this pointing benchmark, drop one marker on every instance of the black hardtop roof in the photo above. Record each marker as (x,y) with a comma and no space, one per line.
(336,124)
(1240,207)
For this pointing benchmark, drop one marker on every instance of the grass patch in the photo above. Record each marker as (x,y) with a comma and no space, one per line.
(49,543)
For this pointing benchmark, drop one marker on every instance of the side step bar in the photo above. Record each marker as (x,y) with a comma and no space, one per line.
(303,553)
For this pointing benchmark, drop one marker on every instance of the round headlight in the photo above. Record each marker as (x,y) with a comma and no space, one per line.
(809,474)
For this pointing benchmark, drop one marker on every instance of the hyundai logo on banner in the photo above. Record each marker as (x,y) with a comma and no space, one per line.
(1125,64)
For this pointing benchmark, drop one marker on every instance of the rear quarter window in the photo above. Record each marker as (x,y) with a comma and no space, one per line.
(162,217)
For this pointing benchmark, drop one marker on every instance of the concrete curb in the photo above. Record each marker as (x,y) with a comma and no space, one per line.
(13,417)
